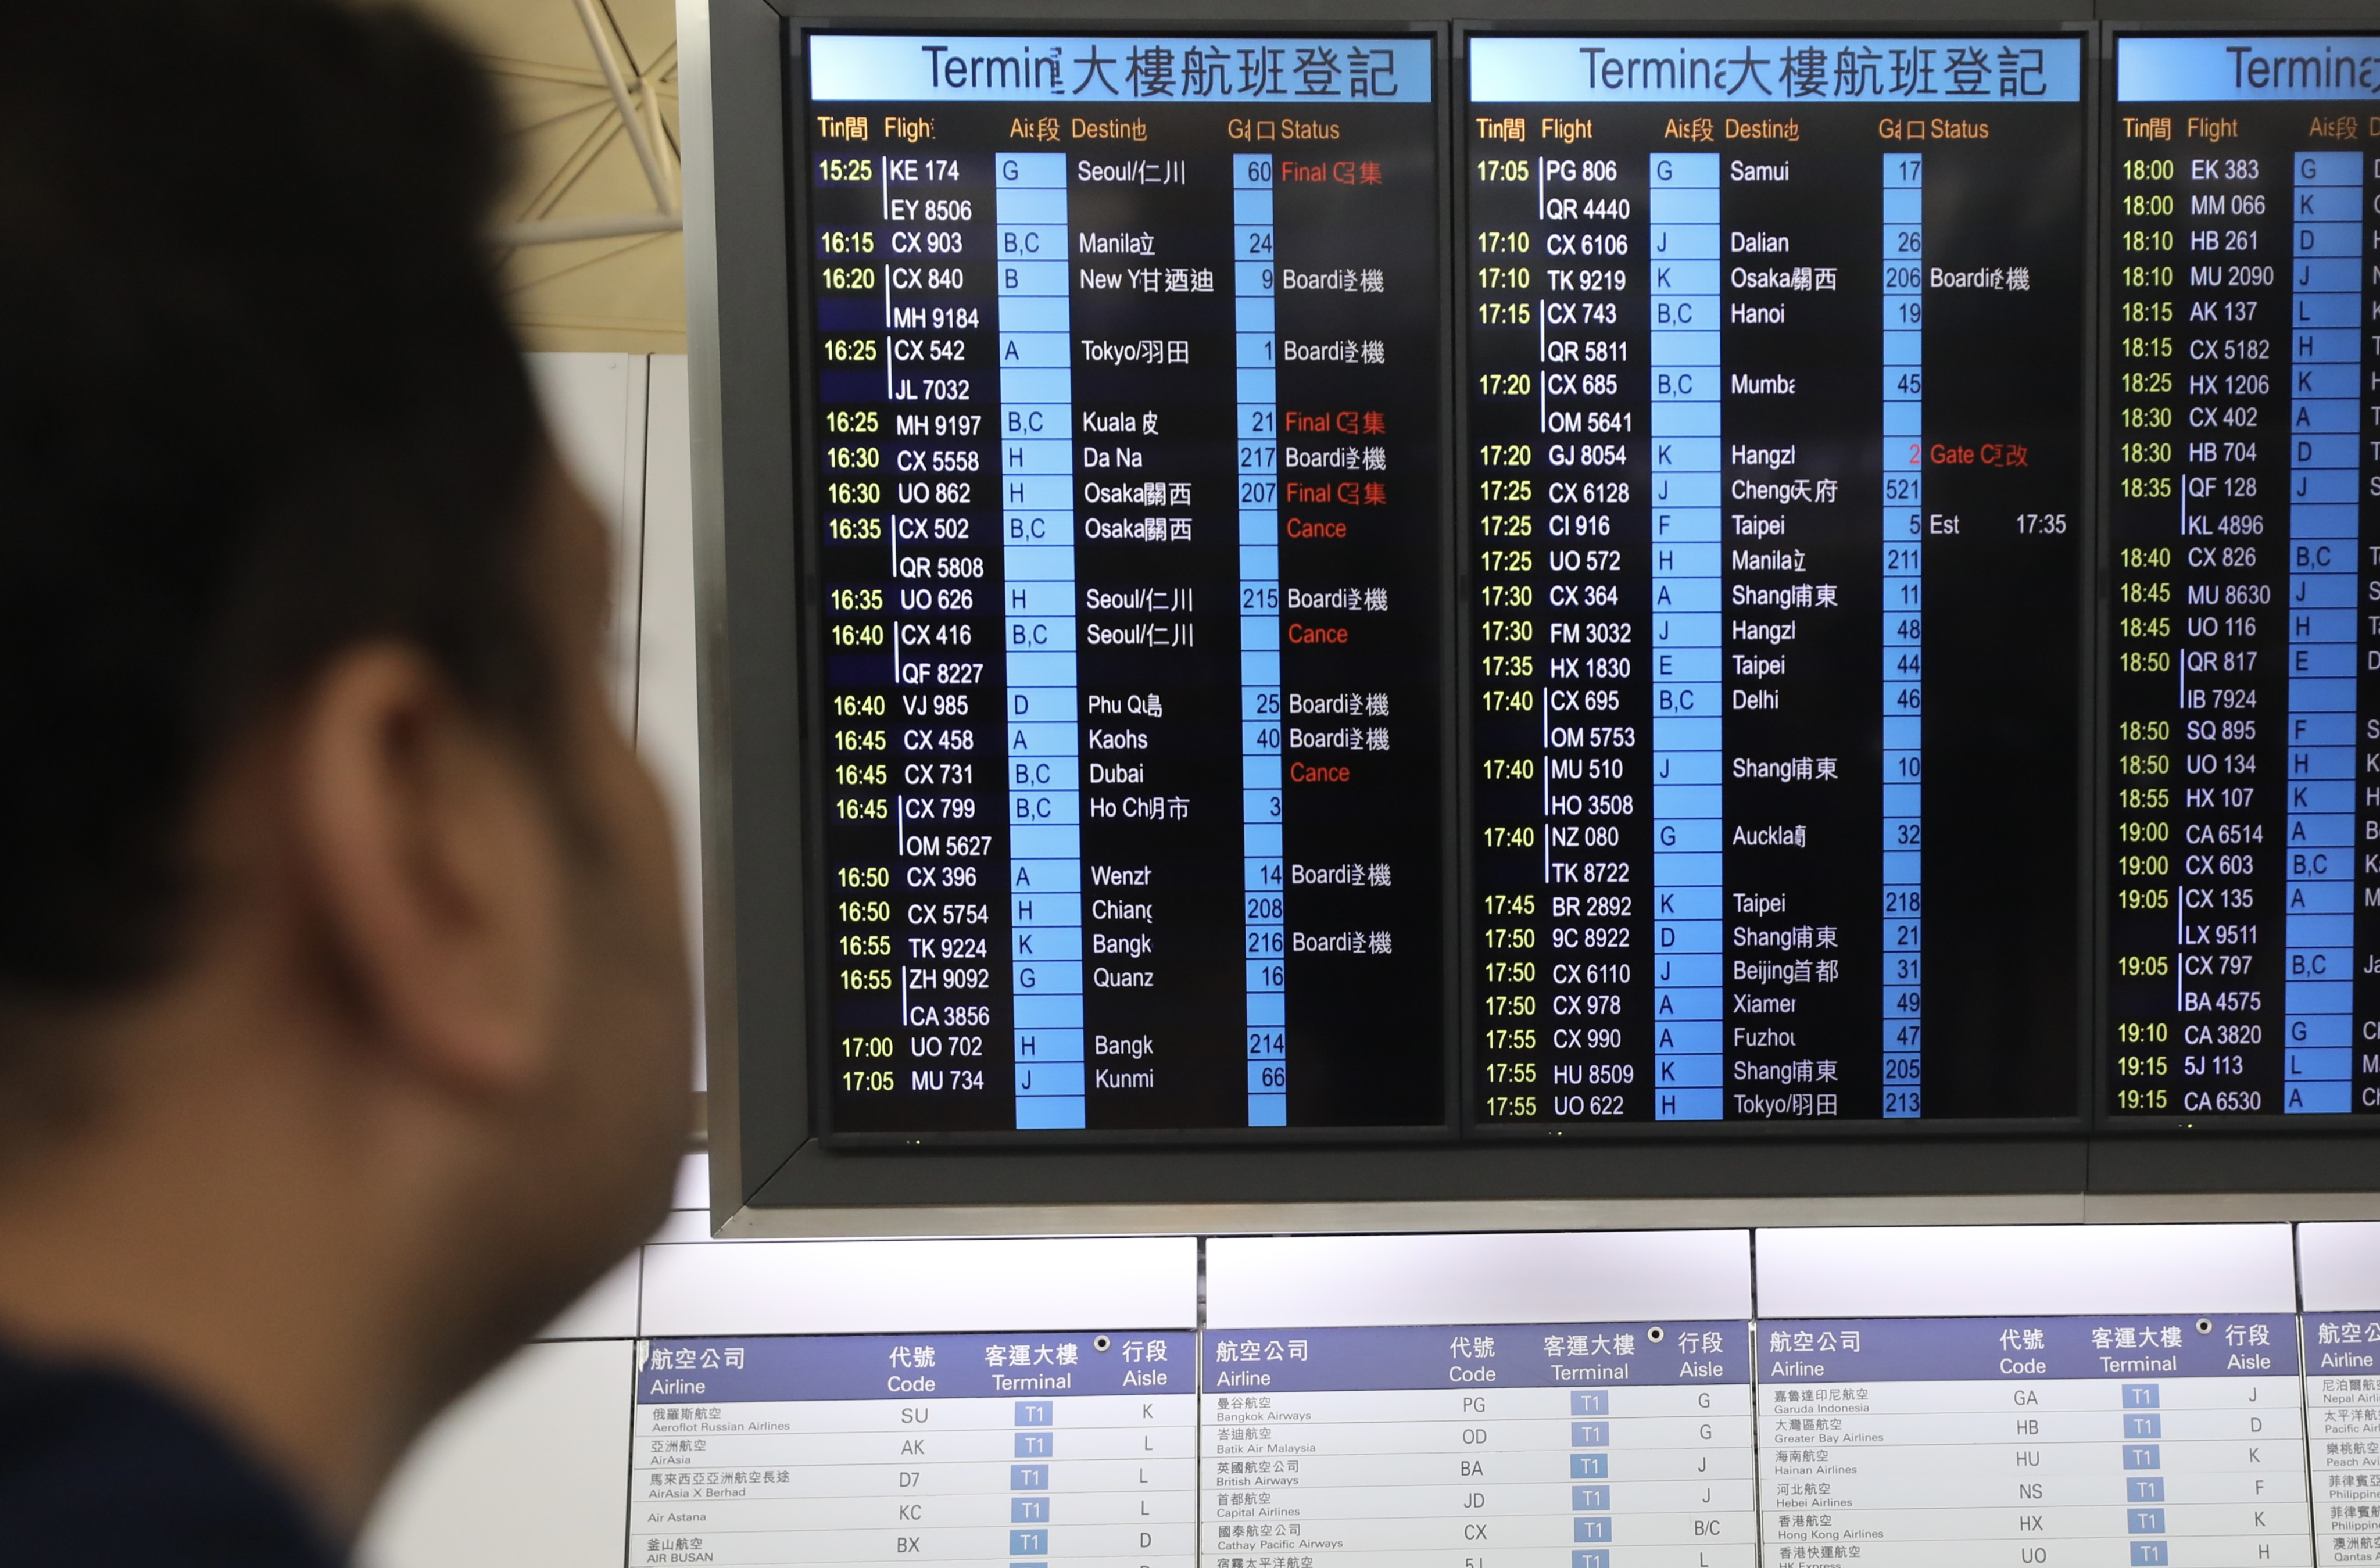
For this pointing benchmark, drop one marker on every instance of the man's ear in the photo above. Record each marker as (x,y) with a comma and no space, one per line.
(427,848)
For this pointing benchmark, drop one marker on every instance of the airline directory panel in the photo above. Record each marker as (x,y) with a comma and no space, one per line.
(2142,1439)
(2342,1415)
(958,1449)
(1541,1444)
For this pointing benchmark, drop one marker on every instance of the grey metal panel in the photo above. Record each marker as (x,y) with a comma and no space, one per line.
(1633,1169)
(749,599)
(706,485)
(2263,1161)
(1553,1214)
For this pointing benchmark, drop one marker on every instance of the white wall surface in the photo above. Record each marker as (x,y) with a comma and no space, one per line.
(857,1287)
(619,422)
(595,410)
(668,728)
(2339,1267)
(1983,1270)
(529,1470)
(608,1310)
(1545,1277)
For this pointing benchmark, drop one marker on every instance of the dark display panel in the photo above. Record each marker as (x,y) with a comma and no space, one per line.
(1128,370)
(2240,180)
(1773,494)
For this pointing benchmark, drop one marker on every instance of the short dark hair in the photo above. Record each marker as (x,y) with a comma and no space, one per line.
(259,401)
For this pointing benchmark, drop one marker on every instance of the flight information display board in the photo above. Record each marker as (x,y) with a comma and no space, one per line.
(1771,492)
(1127,371)
(2240,182)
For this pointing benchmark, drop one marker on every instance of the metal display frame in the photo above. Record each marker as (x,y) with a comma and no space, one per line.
(772,1173)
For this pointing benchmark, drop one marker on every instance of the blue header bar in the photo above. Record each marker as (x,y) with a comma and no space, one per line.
(852,67)
(1776,71)
(1896,1350)
(2200,70)
(770,1368)
(2342,1341)
(1523,1356)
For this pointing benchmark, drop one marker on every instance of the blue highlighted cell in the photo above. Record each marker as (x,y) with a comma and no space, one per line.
(1687,1105)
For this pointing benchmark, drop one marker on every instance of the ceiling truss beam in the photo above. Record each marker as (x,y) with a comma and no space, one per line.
(640,116)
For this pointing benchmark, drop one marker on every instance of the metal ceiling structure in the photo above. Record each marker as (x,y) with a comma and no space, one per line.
(591,228)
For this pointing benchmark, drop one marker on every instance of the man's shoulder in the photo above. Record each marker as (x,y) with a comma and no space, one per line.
(98,1469)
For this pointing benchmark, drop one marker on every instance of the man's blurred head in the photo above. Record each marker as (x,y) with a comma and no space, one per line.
(259,403)
(310,775)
